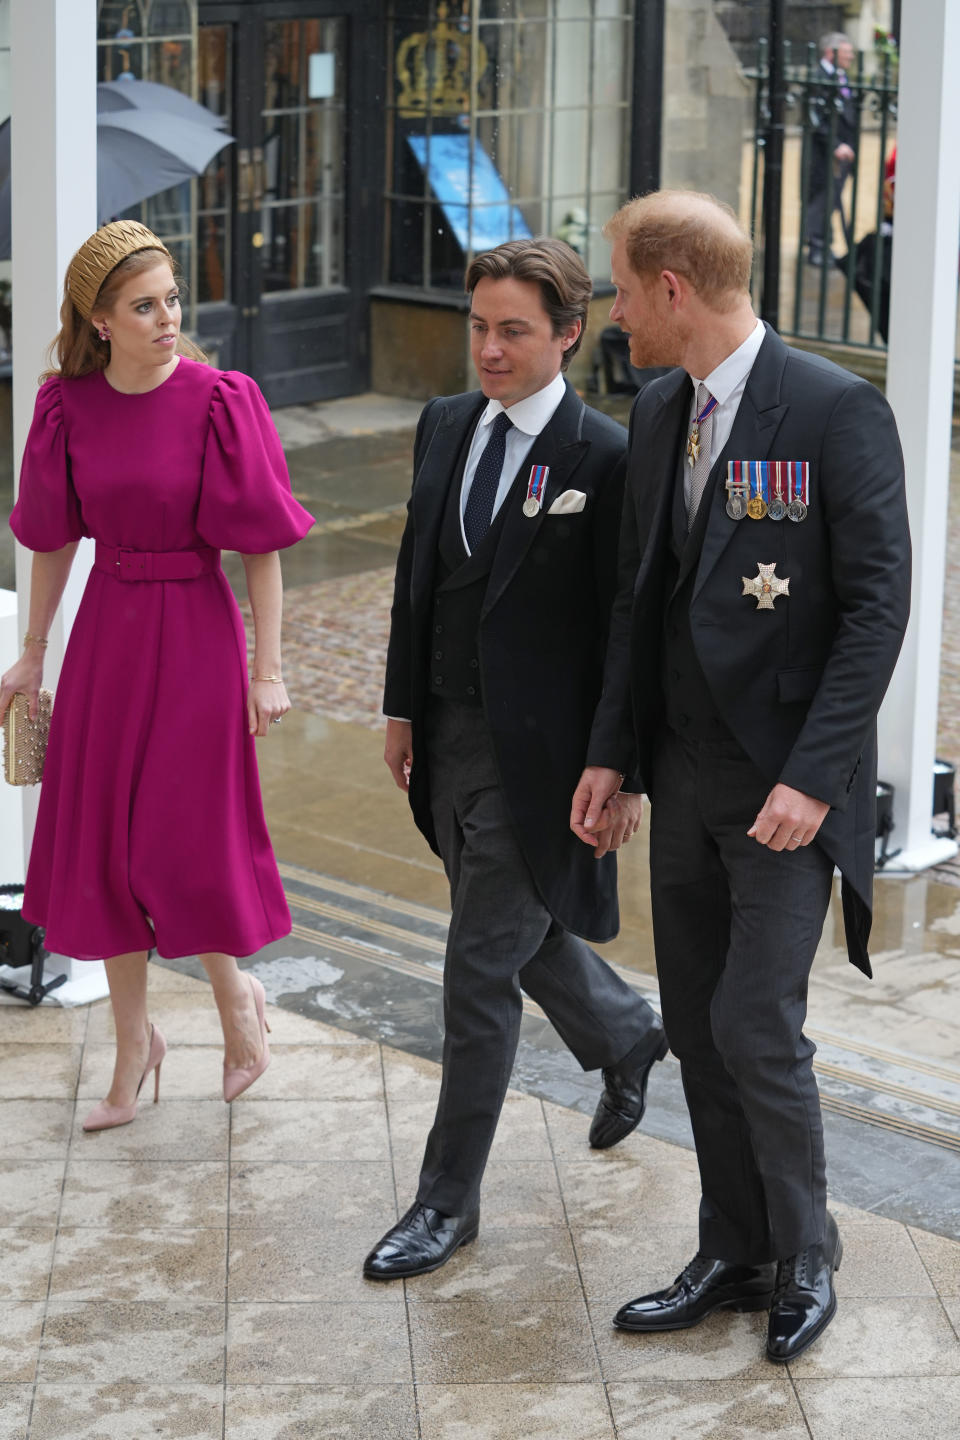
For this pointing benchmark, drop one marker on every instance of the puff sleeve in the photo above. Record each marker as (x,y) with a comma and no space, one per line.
(47,514)
(245,499)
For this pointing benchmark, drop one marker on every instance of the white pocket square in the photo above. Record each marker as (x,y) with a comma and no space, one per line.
(571,502)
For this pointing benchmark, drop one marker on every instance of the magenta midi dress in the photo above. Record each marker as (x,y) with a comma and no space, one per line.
(151,829)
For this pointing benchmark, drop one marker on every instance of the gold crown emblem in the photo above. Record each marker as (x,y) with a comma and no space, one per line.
(102,253)
(433,69)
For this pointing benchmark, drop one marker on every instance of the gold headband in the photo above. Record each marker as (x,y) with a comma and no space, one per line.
(102,253)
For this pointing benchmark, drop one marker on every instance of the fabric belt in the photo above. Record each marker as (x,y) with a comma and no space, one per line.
(124,564)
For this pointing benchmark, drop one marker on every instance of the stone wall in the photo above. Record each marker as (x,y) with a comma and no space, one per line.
(706,103)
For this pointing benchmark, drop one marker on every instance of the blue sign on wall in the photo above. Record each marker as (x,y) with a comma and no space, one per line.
(474,200)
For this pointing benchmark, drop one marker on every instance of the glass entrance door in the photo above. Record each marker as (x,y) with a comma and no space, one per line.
(284,267)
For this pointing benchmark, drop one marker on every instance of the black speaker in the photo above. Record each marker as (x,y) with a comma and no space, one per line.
(21,945)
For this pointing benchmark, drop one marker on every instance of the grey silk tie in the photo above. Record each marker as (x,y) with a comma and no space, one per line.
(701,466)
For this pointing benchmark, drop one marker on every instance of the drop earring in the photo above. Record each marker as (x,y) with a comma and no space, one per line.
(104,333)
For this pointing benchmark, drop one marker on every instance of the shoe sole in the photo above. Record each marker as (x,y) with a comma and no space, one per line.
(661,1054)
(467,1239)
(746,1305)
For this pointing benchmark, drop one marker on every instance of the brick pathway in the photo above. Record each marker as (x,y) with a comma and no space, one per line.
(334,642)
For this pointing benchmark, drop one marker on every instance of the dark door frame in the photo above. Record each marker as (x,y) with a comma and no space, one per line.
(244,328)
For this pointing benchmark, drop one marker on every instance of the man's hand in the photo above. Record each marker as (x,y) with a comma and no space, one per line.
(589,813)
(843,153)
(788,820)
(624,813)
(398,751)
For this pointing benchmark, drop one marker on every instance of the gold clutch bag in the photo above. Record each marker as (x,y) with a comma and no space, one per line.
(25,740)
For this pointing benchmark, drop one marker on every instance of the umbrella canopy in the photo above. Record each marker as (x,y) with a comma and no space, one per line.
(114,95)
(139,153)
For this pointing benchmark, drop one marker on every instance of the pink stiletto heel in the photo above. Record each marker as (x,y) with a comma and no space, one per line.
(106,1116)
(237,1078)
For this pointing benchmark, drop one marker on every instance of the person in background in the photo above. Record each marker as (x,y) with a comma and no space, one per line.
(829,168)
(875,251)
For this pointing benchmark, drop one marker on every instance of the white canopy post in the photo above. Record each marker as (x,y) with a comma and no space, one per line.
(923,314)
(53,164)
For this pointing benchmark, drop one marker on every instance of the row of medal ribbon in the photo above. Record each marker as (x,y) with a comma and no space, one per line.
(771,488)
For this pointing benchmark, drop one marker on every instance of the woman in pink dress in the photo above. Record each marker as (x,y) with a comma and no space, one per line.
(150,829)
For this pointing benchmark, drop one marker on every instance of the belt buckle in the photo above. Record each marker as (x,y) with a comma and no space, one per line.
(135,567)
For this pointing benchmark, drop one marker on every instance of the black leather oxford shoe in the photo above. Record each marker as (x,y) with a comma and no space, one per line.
(421,1241)
(703,1286)
(624,1097)
(804,1300)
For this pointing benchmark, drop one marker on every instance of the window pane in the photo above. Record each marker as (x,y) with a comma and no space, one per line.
(213,281)
(169,212)
(116,61)
(168,17)
(610,148)
(283,87)
(514,9)
(570,130)
(169,64)
(568,221)
(119,20)
(598,249)
(550,115)
(281,246)
(282,153)
(611,61)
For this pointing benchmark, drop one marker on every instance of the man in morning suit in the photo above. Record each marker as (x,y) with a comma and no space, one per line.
(763,594)
(836,118)
(504,584)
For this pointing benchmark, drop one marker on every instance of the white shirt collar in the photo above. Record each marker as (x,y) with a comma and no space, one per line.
(533,412)
(733,371)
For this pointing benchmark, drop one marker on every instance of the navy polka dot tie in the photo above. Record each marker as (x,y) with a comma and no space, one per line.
(486,481)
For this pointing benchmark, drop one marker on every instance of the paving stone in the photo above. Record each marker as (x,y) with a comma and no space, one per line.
(353,1344)
(882,1408)
(128,1412)
(721,1409)
(113,1265)
(514,1412)
(335,1412)
(501,1343)
(118,1342)
(125,1194)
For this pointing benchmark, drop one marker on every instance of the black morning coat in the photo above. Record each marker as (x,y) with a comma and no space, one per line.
(798,686)
(542,636)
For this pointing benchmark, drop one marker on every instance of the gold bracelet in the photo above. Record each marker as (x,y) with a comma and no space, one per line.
(29,639)
(270,679)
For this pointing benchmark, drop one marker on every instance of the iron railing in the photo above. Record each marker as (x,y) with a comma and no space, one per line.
(843,300)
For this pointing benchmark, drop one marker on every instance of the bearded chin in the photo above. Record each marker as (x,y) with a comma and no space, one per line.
(647,351)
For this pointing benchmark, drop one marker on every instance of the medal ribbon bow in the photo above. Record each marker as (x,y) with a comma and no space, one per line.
(693,443)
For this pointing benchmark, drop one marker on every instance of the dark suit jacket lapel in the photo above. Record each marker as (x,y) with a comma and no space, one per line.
(436,471)
(558,446)
(751,438)
(659,464)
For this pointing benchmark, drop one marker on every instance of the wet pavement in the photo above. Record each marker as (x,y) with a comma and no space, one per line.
(196,1274)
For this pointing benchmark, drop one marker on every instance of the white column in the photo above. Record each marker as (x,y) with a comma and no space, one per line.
(53,162)
(923,313)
